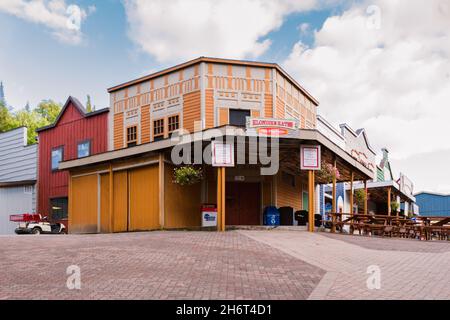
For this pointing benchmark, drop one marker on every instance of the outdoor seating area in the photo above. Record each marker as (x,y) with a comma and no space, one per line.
(421,228)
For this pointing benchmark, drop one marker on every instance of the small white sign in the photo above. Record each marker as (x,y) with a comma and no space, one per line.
(209,218)
(222,154)
(310,157)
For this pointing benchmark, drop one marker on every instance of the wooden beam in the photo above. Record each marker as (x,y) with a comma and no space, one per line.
(389,200)
(311,201)
(161,191)
(70,201)
(223,197)
(365,196)
(334,200)
(351,193)
(219,198)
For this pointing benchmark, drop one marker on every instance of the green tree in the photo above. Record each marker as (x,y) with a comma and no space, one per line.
(44,114)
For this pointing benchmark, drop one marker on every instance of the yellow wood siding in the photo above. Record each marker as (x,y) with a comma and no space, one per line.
(255,113)
(145,124)
(223,116)
(144,198)
(84,214)
(191,110)
(118,130)
(182,203)
(268,106)
(104,203)
(287,195)
(279,109)
(120,201)
(209,108)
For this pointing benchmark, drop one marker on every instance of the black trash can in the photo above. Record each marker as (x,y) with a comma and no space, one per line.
(286,216)
(302,217)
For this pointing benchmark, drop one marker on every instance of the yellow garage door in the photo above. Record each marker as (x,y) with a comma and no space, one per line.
(84,213)
(120,202)
(143,185)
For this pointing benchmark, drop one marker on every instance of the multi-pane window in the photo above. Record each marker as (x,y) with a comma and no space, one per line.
(131,136)
(158,129)
(58,208)
(57,157)
(173,123)
(84,149)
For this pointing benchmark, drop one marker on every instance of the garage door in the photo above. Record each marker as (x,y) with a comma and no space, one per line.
(120,203)
(84,215)
(143,185)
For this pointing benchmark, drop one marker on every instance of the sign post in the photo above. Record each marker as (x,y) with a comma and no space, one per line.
(222,157)
(310,159)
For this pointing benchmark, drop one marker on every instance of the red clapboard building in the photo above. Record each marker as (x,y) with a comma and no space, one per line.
(74,134)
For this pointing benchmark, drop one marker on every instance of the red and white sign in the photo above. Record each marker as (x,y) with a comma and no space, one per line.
(310,157)
(222,154)
(271,127)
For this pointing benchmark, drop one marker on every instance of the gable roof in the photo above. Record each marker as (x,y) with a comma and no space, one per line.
(358,133)
(79,107)
(215,60)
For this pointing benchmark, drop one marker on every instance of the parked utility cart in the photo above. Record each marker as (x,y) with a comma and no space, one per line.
(35,224)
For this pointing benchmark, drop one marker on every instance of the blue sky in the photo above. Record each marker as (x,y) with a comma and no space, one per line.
(34,65)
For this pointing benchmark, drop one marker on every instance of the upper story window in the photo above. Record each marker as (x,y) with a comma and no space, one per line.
(84,149)
(131,136)
(173,123)
(57,157)
(158,129)
(238,117)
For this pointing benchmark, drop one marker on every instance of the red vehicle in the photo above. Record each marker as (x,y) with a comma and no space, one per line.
(31,223)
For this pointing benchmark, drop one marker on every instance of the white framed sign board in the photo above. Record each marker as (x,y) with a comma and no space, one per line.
(222,154)
(310,158)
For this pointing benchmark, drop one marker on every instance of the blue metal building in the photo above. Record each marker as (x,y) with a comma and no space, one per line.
(433,204)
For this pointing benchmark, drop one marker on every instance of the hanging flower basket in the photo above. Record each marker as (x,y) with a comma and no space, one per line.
(187,175)
(327,172)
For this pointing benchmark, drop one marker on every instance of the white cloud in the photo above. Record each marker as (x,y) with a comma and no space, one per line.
(182,29)
(393,80)
(63,20)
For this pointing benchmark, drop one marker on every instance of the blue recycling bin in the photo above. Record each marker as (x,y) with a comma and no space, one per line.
(271,216)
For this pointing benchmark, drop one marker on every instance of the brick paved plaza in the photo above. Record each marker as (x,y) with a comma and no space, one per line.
(232,265)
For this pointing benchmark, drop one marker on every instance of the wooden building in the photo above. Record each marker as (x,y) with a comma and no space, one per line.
(17,177)
(74,134)
(131,187)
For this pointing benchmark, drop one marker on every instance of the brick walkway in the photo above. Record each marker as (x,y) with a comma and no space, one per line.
(152,265)
(409,269)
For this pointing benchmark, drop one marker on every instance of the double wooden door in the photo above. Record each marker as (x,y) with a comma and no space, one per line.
(243,203)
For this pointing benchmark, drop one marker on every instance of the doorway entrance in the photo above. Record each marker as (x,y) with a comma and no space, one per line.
(243,203)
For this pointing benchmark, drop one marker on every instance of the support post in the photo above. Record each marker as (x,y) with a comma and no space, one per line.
(389,201)
(365,196)
(351,193)
(111,199)
(219,199)
(161,191)
(333,202)
(223,189)
(311,197)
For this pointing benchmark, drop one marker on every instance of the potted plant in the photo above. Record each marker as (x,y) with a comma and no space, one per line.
(187,175)
(394,207)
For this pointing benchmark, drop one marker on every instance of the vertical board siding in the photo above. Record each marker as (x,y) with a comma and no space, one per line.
(118,131)
(71,129)
(120,201)
(209,108)
(84,215)
(223,116)
(145,124)
(191,110)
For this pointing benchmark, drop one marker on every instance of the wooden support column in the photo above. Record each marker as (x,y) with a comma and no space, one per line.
(311,197)
(111,199)
(161,191)
(334,200)
(70,200)
(389,201)
(351,193)
(223,189)
(365,197)
(219,199)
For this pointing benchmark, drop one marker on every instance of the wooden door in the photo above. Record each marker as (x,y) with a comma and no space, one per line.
(120,204)
(143,184)
(105,218)
(243,203)
(84,215)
